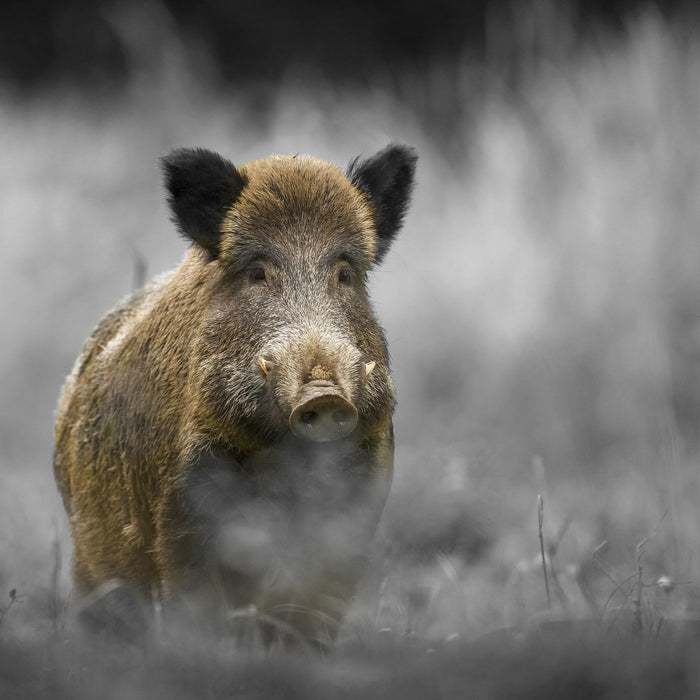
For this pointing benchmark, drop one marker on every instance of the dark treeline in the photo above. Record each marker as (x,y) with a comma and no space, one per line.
(91,43)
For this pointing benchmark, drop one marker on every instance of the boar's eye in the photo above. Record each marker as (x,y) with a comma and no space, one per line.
(345,277)
(256,275)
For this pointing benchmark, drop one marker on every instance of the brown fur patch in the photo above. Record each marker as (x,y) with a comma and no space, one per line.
(299,198)
(318,372)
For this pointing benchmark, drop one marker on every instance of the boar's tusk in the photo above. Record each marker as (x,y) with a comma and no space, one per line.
(369,366)
(263,366)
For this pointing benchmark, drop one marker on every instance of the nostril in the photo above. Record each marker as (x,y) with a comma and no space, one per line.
(342,417)
(309,417)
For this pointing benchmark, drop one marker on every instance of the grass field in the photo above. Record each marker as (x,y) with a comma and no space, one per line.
(543,312)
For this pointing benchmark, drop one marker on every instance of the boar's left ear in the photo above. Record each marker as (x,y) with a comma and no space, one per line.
(201,186)
(387,179)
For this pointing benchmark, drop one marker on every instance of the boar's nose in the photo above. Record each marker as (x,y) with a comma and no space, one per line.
(322,414)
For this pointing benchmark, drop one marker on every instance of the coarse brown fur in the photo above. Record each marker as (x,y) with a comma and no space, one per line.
(174,454)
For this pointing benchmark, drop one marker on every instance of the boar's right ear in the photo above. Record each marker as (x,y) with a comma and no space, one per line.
(387,179)
(201,186)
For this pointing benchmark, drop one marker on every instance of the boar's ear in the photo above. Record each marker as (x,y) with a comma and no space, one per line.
(387,179)
(201,186)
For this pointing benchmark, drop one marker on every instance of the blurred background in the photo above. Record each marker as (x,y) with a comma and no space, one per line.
(542,303)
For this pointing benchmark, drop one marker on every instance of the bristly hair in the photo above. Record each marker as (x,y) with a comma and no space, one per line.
(201,187)
(387,179)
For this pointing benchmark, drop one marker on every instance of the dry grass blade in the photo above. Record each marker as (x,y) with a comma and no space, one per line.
(540,524)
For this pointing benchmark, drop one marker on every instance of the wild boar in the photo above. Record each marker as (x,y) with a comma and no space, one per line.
(226,432)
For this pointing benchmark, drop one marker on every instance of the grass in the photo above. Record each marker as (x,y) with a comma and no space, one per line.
(541,308)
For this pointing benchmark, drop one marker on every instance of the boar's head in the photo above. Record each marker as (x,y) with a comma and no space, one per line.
(290,342)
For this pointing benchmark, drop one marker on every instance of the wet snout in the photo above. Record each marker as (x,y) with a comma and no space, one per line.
(322,413)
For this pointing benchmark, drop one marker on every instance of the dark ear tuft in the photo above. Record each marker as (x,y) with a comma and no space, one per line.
(387,178)
(201,186)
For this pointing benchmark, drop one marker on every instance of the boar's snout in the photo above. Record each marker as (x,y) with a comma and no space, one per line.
(322,413)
